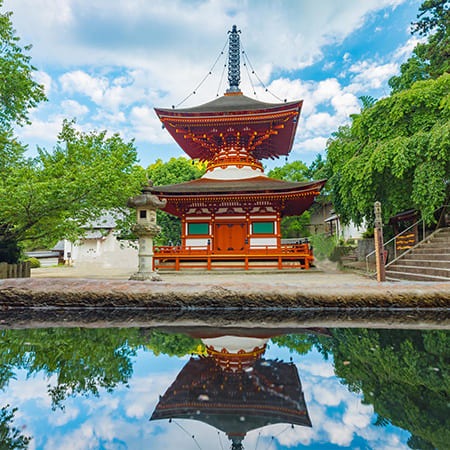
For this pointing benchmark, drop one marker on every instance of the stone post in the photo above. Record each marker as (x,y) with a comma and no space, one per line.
(379,245)
(146,229)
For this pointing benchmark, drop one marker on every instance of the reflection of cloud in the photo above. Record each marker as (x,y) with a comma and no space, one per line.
(120,419)
(143,395)
(62,417)
(34,388)
(318,368)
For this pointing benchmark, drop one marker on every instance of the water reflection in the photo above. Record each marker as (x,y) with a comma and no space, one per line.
(98,388)
(234,389)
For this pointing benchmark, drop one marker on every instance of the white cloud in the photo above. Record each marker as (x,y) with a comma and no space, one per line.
(345,104)
(371,75)
(159,35)
(321,121)
(114,61)
(405,51)
(314,145)
(72,108)
(45,79)
(80,82)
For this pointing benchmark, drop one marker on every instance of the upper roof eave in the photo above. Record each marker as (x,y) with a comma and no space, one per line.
(229,104)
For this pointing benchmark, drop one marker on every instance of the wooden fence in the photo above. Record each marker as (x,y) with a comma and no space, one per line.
(20,270)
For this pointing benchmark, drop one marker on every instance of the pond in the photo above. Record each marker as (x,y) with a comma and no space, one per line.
(183,388)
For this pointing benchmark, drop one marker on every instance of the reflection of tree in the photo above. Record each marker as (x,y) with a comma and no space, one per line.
(172,344)
(83,360)
(404,375)
(10,437)
(298,343)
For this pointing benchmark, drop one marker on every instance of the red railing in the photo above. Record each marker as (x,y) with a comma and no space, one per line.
(285,256)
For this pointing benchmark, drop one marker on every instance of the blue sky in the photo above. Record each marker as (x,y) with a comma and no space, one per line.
(108,63)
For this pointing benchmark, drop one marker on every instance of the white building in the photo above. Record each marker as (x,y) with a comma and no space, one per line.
(341,231)
(101,247)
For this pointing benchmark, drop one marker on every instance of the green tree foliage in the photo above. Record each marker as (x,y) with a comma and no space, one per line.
(10,436)
(299,226)
(293,226)
(53,195)
(298,343)
(403,374)
(18,91)
(434,23)
(293,171)
(414,69)
(430,58)
(176,170)
(397,152)
(171,344)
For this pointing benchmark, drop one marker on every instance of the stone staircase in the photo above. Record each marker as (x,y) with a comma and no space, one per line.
(427,261)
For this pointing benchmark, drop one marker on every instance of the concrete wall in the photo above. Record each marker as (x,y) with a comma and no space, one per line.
(366,246)
(105,252)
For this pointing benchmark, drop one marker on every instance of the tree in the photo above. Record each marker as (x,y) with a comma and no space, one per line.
(11,437)
(431,58)
(293,171)
(414,69)
(55,194)
(397,152)
(84,360)
(18,91)
(297,226)
(176,170)
(434,23)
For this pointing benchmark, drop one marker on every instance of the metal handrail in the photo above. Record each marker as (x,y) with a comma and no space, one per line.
(399,234)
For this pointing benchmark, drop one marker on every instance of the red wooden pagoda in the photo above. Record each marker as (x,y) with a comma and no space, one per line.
(235,390)
(231,216)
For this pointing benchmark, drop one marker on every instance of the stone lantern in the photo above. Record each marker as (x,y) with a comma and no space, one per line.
(146,229)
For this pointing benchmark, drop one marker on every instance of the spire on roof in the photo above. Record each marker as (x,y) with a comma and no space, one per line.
(234,71)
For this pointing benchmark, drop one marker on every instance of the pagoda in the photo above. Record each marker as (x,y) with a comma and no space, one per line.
(232,214)
(234,389)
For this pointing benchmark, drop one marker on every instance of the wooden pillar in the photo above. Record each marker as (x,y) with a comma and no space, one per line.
(379,246)
(183,231)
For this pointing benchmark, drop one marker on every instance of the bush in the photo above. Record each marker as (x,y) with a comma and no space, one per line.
(323,245)
(338,252)
(34,262)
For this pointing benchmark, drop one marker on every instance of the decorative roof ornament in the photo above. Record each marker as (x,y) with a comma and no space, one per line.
(234,71)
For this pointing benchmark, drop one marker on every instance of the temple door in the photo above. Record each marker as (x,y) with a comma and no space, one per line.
(229,237)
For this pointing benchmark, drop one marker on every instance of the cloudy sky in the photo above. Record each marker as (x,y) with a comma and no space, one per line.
(108,63)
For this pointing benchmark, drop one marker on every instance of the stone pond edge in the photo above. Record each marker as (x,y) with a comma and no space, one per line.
(88,293)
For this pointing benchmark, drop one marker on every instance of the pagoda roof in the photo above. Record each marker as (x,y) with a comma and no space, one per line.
(268,393)
(296,196)
(229,103)
(202,129)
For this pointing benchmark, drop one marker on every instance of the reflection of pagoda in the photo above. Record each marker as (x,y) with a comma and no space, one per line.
(235,390)
(233,213)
